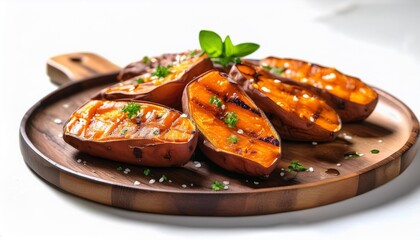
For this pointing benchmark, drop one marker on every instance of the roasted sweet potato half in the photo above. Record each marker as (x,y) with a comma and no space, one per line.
(234,133)
(146,63)
(162,84)
(296,113)
(349,96)
(141,133)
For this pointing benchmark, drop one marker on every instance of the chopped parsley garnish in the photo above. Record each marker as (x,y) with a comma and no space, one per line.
(146,59)
(374,151)
(156,131)
(274,70)
(164,178)
(140,80)
(231,119)
(146,172)
(296,166)
(193,53)
(216,101)
(131,109)
(119,168)
(217,186)
(224,52)
(124,131)
(350,155)
(233,139)
(161,71)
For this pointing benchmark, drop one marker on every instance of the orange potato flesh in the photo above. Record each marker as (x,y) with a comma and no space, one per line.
(103,121)
(294,99)
(179,66)
(253,128)
(329,79)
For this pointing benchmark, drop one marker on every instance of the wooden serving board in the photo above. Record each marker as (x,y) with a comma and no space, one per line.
(392,129)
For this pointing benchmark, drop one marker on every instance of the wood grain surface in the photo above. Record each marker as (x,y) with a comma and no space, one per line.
(392,129)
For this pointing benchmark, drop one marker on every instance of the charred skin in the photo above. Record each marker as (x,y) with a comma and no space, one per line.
(156,137)
(257,149)
(296,113)
(352,99)
(166,90)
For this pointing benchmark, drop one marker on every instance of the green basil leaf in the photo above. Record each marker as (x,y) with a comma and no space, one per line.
(211,43)
(243,49)
(229,48)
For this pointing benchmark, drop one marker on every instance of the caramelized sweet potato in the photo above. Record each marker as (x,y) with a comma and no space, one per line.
(141,133)
(296,113)
(140,67)
(163,84)
(234,133)
(349,96)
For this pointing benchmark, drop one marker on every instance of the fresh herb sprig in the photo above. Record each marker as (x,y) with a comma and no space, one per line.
(131,109)
(231,119)
(233,139)
(162,71)
(216,101)
(224,52)
(217,186)
(296,166)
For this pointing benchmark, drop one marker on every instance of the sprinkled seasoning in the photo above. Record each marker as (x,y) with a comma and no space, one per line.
(58,121)
(256,183)
(151,181)
(163,178)
(197,164)
(338,164)
(314,143)
(350,155)
(79,160)
(183,185)
(136,183)
(146,172)
(282,174)
(374,151)
(311,169)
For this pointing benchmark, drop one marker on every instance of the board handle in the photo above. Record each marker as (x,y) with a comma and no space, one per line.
(78,66)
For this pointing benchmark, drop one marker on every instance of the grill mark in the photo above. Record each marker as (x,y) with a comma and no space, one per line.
(243,105)
(271,140)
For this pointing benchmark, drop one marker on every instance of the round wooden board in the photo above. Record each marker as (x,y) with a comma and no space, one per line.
(392,129)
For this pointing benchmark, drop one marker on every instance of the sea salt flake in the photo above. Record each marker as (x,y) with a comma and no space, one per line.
(183,186)
(58,121)
(151,181)
(136,183)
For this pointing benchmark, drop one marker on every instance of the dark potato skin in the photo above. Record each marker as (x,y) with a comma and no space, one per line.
(226,159)
(119,146)
(347,109)
(168,93)
(289,124)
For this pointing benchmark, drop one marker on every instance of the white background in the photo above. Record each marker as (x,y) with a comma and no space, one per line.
(379,41)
